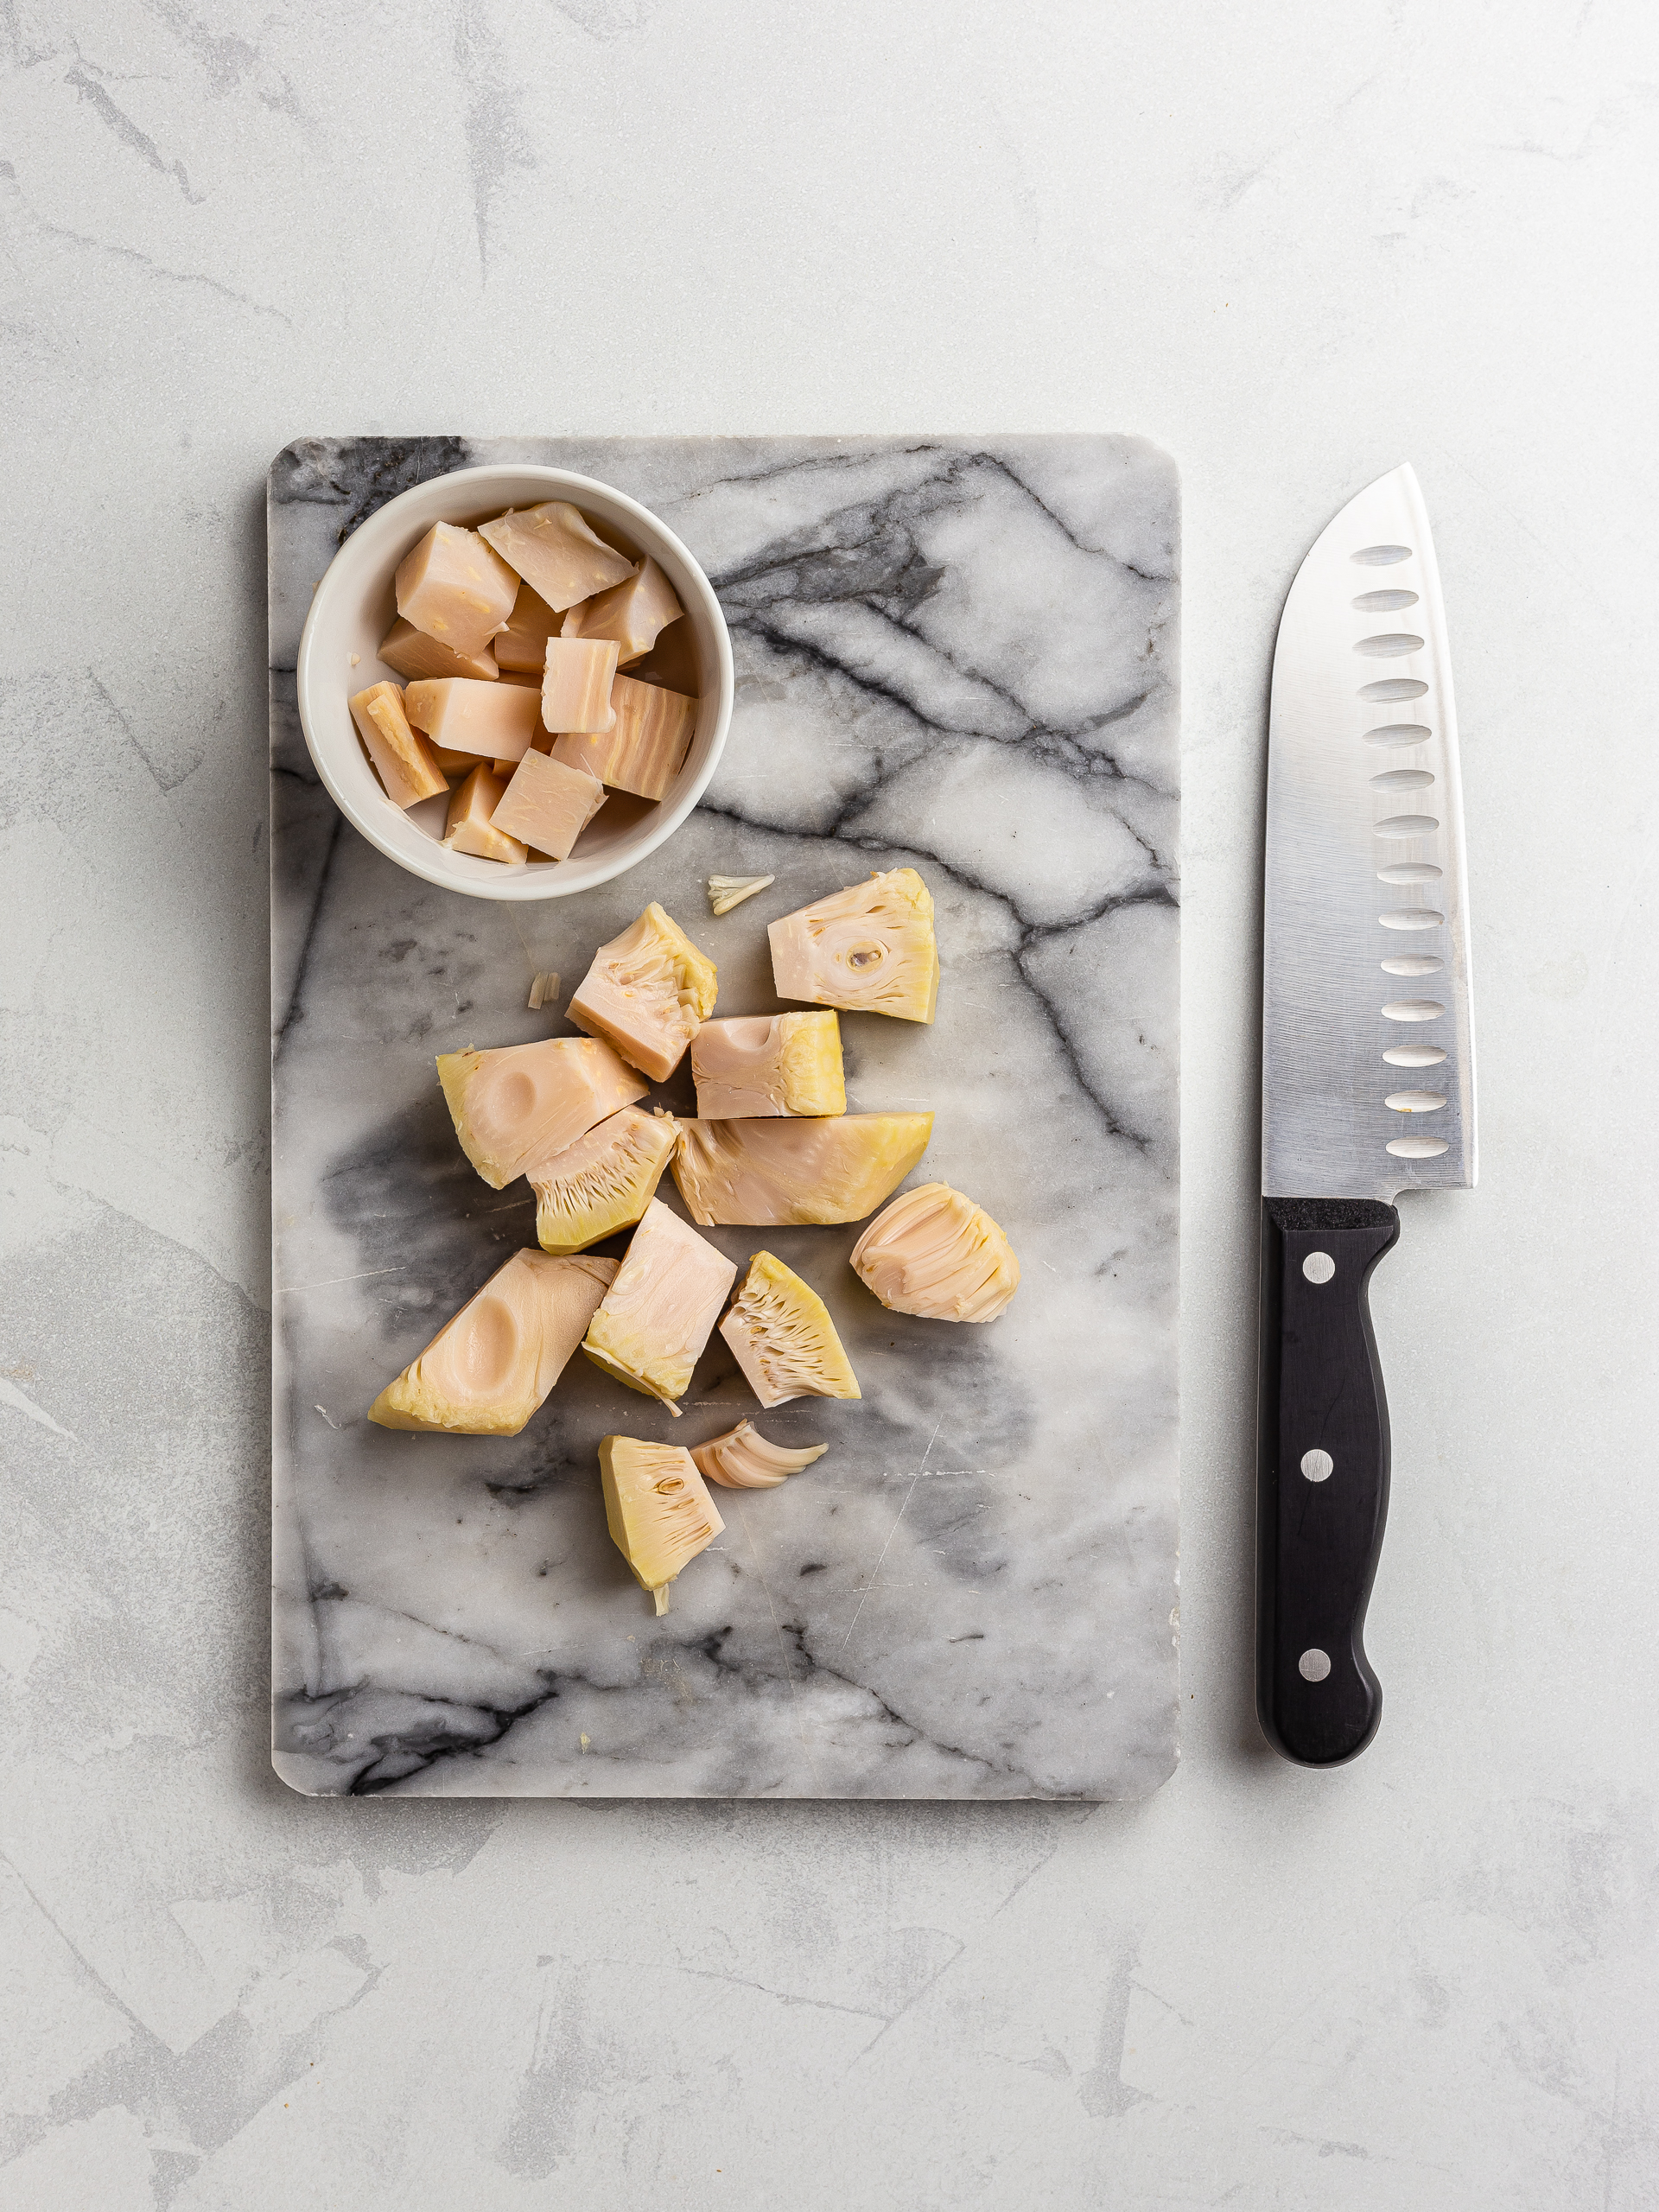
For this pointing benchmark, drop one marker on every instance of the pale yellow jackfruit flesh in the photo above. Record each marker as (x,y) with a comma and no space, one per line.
(521,648)
(632,613)
(657,1315)
(744,1459)
(603,1182)
(455,588)
(781,1336)
(554,548)
(868,950)
(521,1103)
(760,1173)
(403,759)
(767,1065)
(413,654)
(486,1372)
(648,992)
(657,1508)
(935,1253)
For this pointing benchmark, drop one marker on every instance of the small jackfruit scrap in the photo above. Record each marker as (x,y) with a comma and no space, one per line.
(744,1459)
(455,588)
(521,648)
(868,950)
(781,1336)
(759,1173)
(658,1313)
(768,1065)
(403,760)
(413,654)
(519,1104)
(488,1370)
(646,746)
(548,805)
(555,552)
(469,828)
(726,892)
(603,1182)
(648,992)
(658,1512)
(576,680)
(544,987)
(492,721)
(632,613)
(937,1254)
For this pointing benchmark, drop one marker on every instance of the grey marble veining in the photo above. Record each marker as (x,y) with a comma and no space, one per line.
(960,656)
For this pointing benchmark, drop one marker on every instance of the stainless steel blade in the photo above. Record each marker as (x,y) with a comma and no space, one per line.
(1367,1069)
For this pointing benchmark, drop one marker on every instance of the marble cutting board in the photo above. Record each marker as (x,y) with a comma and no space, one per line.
(956,654)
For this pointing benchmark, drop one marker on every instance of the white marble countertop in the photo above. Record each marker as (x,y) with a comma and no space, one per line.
(1292,247)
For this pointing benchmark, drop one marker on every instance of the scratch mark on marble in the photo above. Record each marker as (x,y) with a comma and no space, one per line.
(910,2002)
(739,1981)
(292,1289)
(20,1403)
(893,1532)
(496,143)
(783,1644)
(128,131)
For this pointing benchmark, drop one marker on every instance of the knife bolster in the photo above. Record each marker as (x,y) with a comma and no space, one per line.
(1320,1407)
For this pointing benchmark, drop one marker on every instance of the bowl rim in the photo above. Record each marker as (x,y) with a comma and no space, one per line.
(547,882)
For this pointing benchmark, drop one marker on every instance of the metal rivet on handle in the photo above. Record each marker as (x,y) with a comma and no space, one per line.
(1314,1666)
(1318,1266)
(1317,1465)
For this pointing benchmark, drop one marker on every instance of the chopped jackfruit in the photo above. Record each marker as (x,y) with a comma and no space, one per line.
(762,1172)
(657,1508)
(726,892)
(632,613)
(455,588)
(468,827)
(768,1065)
(553,548)
(603,1182)
(657,1314)
(646,746)
(782,1337)
(521,648)
(648,992)
(486,1372)
(404,760)
(413,654)
(937,1254)
(521,1103)
(743,1459)
(868,950)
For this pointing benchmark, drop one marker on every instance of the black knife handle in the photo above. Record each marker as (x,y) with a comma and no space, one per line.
(1322,1475)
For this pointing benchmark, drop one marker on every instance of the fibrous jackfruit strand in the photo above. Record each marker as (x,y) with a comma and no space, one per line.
(744,1459)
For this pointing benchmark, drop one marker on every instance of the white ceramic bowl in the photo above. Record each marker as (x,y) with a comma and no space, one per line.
(354,608)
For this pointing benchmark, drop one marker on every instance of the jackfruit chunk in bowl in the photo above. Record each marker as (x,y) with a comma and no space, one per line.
(657,1508)
(781,1336)
(868,950)
(762,1174)
(657,1315)
(523,1102)
(488,1370)
(744,1459)
(603,1182)
(935,1253)
(648,992)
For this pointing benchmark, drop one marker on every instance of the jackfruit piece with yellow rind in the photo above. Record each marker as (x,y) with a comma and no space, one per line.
(868,950)
(488,1371)
(769,1065)
(522,1103)
(603,1182)
(657,1508)
(657,1315)
(744,1459)
(762,1174)
(781,1336)
(648,993)
(935,1253)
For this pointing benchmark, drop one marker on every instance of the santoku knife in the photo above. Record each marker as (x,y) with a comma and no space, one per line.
(1368,1076)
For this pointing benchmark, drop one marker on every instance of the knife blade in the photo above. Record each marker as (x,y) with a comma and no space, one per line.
(1368,1077)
